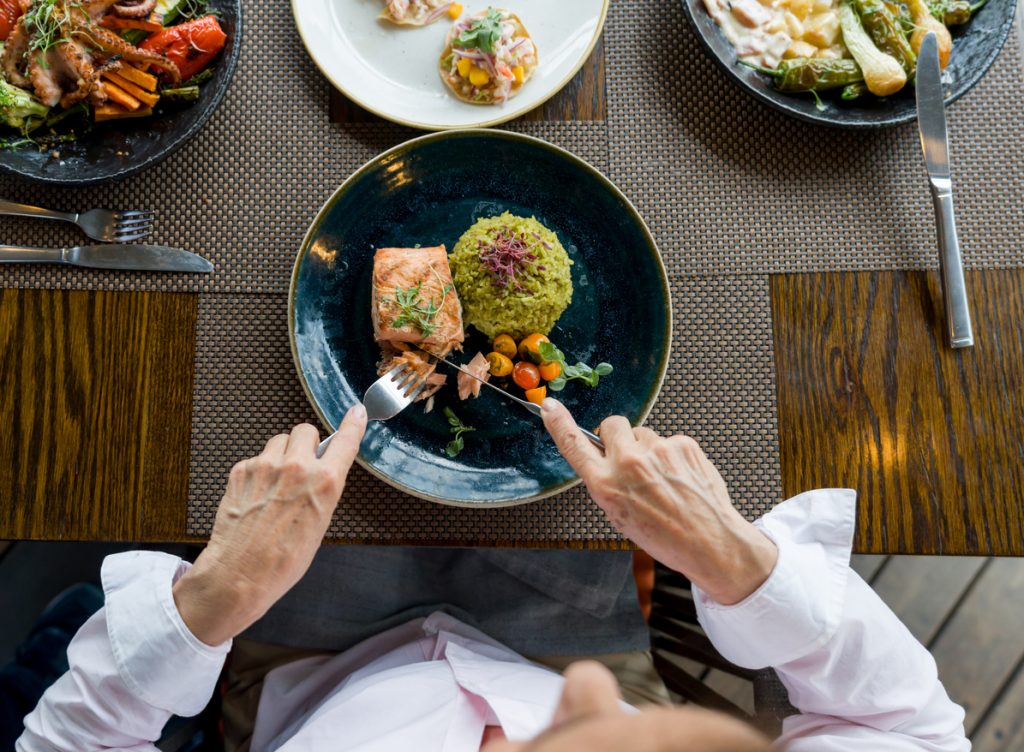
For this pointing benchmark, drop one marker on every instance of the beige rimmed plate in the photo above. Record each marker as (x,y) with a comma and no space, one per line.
(392,70)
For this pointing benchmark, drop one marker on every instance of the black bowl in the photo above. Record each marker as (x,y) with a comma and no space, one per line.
(114,150)
(975,47)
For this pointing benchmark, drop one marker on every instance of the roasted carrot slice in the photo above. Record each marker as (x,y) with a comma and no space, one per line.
(119,96)
(146,97)
(143,24)
(116,111)
(138,77)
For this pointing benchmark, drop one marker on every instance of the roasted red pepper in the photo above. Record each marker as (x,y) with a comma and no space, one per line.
(190,45)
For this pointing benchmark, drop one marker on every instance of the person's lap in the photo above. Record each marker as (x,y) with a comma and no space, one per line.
(553,606)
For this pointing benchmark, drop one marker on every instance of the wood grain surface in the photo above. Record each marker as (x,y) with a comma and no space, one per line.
(97,409)
(872,398)
(583,98)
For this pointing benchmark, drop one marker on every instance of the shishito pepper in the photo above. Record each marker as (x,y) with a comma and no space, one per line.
(886,32)
(854,91)
(812,74)
(954,12)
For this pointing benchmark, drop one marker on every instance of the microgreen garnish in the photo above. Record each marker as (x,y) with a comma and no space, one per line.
(43,23)
(579,372)
(508,257)
(414,311)
(458,428)
(483,34)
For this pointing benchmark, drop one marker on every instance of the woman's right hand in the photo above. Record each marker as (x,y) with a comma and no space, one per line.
(666,496)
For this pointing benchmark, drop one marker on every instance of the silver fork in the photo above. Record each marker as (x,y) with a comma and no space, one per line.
(99,224)
(387,397)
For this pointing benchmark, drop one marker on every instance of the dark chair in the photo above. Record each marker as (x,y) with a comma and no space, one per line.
(684,656)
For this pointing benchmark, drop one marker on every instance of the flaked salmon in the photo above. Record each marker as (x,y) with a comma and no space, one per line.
(415,303)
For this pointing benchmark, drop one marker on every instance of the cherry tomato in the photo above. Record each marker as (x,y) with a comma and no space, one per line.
(501,365)
(528,347)
(526,375)
(536,396)
(505,345)
(190,45)
(10,12)
(550,370)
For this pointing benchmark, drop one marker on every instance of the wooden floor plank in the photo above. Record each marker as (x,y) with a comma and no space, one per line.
(867,565)
(871,397)
(1002,730)
(979,648)
(924,590)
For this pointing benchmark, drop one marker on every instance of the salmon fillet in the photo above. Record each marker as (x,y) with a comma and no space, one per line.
(414,299)
(415,303)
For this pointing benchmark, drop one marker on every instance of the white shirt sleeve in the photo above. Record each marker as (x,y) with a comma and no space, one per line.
(858,678)
(133,665)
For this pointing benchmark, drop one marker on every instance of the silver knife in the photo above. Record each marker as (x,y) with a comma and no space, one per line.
(533,408)
(141,257)
(931,120)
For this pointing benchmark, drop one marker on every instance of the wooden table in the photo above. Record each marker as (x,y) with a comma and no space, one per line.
(97,401)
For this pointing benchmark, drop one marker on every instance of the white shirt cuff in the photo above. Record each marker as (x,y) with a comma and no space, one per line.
(157,656)
(799,606)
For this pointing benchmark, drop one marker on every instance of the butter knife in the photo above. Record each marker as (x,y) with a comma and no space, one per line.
(533,408)
(140,257)
(931,121)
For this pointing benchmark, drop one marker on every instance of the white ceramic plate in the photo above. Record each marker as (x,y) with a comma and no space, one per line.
(392,70)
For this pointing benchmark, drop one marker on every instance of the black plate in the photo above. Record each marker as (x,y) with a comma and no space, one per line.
(430,191)
(114,150)
(975,47)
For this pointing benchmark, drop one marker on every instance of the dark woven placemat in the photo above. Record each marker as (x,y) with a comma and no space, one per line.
(731,186)
(720,389)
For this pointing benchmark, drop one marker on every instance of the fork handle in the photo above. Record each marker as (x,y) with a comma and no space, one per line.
(324,444)
(16,254)
(11,209)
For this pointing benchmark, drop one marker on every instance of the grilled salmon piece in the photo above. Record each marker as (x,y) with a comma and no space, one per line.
(414,299)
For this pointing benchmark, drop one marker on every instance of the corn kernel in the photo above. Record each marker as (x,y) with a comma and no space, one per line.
(800,8)
(478,76)
(454,10)
(465,66)
(822,30)
(520,74)
(821,6)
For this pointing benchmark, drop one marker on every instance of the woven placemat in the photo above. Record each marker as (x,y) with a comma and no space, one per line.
(720,389)
(729,185)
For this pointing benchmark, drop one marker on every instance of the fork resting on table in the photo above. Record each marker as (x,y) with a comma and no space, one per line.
(99,224)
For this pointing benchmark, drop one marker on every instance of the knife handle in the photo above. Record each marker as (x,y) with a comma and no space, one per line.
(954,289)
(15,254)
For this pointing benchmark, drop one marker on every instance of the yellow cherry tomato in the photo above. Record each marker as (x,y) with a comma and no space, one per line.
(536,396)
(501,365)
(454,10)
(529,347)
(550,370)
(526,375)
(505,345)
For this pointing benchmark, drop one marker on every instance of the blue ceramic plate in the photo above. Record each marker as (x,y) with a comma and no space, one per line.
(429,191)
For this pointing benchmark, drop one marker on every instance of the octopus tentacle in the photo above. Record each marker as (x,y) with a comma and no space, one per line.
(14,55)
(138,9)
(44,78)
(115,45)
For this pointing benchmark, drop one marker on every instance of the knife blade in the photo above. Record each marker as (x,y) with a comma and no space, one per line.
(137,257)
(532,407)
(931,122)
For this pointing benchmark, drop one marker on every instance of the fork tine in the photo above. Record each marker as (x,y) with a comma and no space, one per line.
(129,238)
(135,222)
(146,213)
(416,392)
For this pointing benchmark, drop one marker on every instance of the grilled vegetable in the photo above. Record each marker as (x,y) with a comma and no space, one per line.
(901,13)
(953,12)
(812,74)
(181,94)
(854,91)
(886,32)
(20,109)
(924,22)
(10,11)
(190,45)
(883,73)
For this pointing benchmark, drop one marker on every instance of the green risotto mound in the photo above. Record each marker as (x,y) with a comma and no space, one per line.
(512,275)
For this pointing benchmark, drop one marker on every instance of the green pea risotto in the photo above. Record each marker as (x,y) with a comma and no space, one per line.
(513,276)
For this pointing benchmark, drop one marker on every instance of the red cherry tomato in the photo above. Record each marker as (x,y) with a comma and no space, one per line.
(10,12)
(526,375)
(190,45)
